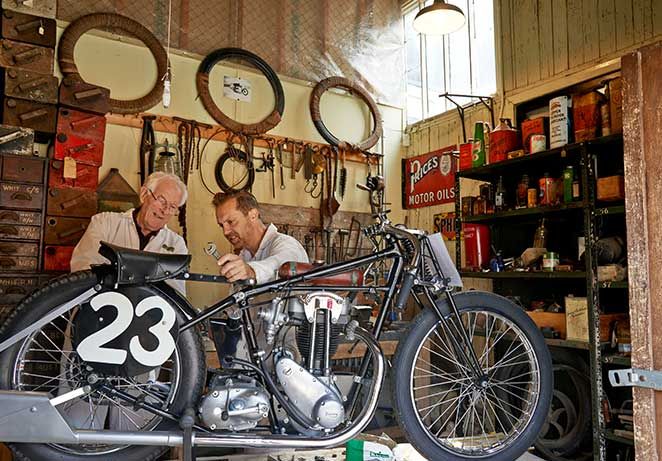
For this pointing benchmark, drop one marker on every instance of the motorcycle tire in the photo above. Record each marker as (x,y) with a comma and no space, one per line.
(37,305)
(506,433)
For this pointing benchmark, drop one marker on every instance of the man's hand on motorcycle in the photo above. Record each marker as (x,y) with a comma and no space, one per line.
(233,268)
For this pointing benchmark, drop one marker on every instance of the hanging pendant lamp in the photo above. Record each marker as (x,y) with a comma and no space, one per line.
(440,18)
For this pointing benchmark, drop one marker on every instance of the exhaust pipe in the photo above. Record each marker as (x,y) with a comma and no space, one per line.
(32,417)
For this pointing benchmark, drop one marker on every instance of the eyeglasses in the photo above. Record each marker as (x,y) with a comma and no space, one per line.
(168,208)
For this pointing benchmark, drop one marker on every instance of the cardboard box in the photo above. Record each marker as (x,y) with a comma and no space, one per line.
(555,320)
(586,115)
(576,314)
(616,105)
(611,188)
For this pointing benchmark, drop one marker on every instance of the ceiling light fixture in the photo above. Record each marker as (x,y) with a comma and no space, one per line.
(440,18)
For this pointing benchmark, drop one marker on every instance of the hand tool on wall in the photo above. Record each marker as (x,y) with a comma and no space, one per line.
(147,141)
(342,181)
(355,226)
(279,157)
(308,245)
(342,251)
(328,237)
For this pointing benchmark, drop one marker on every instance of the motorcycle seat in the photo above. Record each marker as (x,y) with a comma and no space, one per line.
(135,267)
(291,269)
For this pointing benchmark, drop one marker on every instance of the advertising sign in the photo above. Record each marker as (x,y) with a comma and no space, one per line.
(429,179)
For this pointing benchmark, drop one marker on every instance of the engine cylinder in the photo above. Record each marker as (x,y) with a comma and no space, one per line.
(303,337)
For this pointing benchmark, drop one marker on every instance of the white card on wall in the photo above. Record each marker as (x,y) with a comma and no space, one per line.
(237,88)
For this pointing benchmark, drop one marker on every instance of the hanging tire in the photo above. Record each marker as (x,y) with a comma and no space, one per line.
(174,386)
(445,411)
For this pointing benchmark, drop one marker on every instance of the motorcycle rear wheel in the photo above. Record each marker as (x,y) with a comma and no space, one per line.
(449,413)
(173,386)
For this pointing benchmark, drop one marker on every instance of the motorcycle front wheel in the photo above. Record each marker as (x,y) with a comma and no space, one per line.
(45,362)
(446,409)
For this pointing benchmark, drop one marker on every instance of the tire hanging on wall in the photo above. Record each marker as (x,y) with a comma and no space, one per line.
(235,154)
(73,32)
(356,90)
(202,83)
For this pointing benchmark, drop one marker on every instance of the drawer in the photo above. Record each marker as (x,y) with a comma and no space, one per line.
(24,169)
(29,114)
(21,196)
(9,248)
(82,124)
(87,176)
(80,203)
(26,56)
(18,263)
(77,94)
(28,28)
(83,150)
(64,231)
(30,85)
(18,232)
(57,258)
(16,287)
(45,8)
(16,140)
(27,218)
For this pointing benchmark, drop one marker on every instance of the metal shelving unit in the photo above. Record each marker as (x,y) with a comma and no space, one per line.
(585,153)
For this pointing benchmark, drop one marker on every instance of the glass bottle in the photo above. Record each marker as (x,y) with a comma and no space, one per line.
(568,179)
(540,237)
(500,196)
(522,191)
(576,189)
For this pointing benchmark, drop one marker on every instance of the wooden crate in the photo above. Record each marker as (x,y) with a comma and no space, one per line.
(555,320)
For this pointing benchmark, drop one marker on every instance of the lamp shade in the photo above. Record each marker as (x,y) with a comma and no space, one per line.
(439,18)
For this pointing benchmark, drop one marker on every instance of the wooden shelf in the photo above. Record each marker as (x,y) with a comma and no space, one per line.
(609,435)
(567,343)
(617,359)
(610,210)
(612,285)
(523,212)
(524,275)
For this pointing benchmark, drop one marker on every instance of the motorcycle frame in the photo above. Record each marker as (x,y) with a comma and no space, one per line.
(49,417)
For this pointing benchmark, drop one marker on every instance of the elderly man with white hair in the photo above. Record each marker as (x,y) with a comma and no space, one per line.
(142,228)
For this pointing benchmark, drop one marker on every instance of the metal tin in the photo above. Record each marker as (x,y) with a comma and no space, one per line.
(16,140)
(537,143)
(549,261)
(559,121)
(532,197)
(26,56)
(547,188)
(28,28)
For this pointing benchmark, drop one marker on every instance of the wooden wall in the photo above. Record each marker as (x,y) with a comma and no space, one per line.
(543,39)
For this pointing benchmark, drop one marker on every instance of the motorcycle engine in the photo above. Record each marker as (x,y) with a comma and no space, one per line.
(234,403)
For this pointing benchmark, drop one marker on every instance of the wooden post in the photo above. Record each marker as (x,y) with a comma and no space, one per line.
(642,131)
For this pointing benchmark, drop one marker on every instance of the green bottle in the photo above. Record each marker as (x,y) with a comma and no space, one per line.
(568,176)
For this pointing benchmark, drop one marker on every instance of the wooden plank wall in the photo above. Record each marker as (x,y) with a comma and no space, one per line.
(542,39)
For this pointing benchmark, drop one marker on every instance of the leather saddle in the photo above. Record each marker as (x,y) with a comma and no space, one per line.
(133,267)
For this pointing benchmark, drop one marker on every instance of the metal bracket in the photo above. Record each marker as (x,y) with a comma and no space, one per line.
(651,379)
(487,101)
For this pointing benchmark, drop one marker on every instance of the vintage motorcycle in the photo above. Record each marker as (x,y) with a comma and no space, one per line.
(108,364)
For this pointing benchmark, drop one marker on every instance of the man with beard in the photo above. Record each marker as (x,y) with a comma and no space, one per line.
(259,249)
(142,228)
